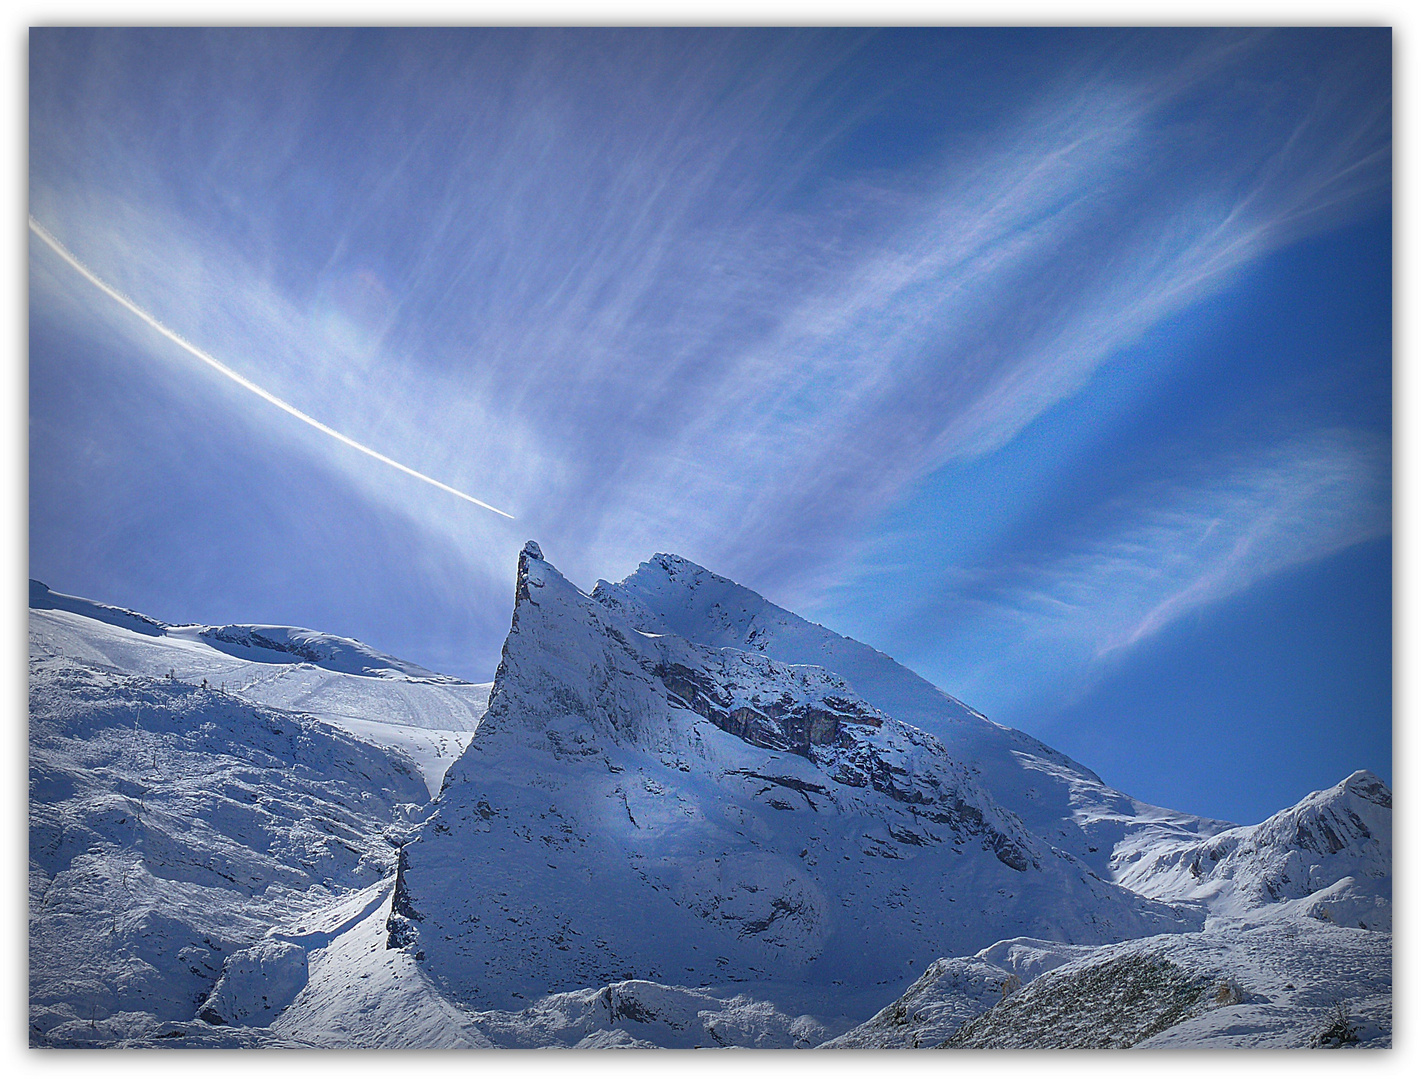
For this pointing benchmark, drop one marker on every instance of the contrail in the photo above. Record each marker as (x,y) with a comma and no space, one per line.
(217,365)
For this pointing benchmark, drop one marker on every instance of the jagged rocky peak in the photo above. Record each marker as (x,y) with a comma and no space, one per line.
(560,637)
(641,805)
(669,594)
(560,651)
(1056,797)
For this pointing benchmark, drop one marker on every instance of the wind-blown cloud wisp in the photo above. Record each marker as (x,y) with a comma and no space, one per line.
(217,365)
(1030,626)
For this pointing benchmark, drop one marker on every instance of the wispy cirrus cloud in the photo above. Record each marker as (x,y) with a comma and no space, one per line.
(1043,625)
(632,288)
(1018,278)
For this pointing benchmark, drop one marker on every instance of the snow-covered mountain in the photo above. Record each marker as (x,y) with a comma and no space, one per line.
(680,816)
(1058,799)
(1328,857)
(263,644)
(1298,928)
(640,805)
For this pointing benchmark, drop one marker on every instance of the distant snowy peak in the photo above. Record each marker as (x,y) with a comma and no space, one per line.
(288,644)
(43,598)
(1329,856)
(263,644)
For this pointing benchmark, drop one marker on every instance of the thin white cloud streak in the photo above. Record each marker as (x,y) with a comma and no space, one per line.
(1049,625)
(603,298)
(246,384)
(312,353)
(525,310)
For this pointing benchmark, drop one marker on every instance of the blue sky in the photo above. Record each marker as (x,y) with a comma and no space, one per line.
(1057,364)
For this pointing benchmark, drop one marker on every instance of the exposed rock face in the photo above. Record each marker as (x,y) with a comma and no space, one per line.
(1113,1004)
(1056,798)
(794,720)
(636,805)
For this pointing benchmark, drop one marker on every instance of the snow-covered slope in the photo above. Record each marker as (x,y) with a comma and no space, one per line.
(637,805)
(682,817)
(1328,857)
(360,993)
(170,828)
(181,809)
(1055,797)
(1299,928)
(428,716)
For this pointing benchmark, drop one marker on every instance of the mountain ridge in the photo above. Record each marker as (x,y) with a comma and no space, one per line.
(1056,796)
(651,839)
(263,643)
(780,858)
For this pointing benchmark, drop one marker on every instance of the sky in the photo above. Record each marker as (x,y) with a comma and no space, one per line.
(1056,364)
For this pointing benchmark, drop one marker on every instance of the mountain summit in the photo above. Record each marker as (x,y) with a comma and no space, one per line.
(1054,796)
(680,816)
(644,803)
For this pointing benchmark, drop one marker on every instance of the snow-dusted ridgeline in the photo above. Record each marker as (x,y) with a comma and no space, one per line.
(636,805)
(689,818)
(1058,799)
(339,680)
(1299,926)
(1328,857)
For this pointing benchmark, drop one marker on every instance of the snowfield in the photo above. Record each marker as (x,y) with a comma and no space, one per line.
(338,680)
(679,816)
